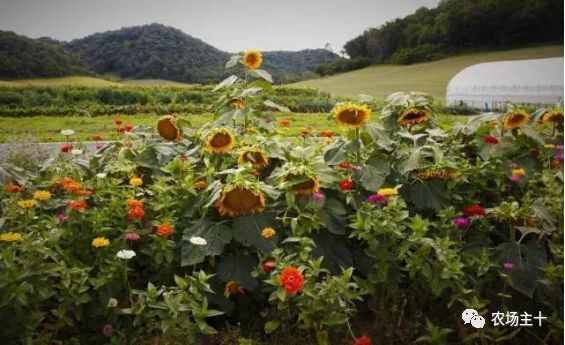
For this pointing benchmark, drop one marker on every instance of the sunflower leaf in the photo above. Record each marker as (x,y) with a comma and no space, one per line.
(216,234)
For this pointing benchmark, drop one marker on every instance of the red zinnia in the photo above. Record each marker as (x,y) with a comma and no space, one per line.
(133,203)
(128,127)
(345,165)
(474,211)
(12,188)
(346,185)
(97,137)
(490,139)
(77,205)
(66,147)
(136,213)
(291,280)
(165,230)
(363,340)
(117,121)
(268,265)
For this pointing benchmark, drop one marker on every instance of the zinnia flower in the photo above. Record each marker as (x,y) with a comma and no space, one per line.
(474,211)
(67,132)
(131,236)
(167,128)
(77,205)
(268,265)
(128,127)
(27,204)
(136,213)
(292,280)
(267,233)
(200,185)
(125,254)
(377,199)
(12,188)
(67,147)
(42,195)
(198,241)
(318,197)
(257,157)
(284,122)
(490,139)
(135,181)
(515,119)
(346,185)
(236,103)
(107,330)
(220,140)
(351,114)
(117,121)
(133,203)
(327,133)
(413,116)
(363,340)
(252,59)
(461,222)
(517,174)
(388,192)
(100,242)
(238,201)
(165,230)
(10,237)
(508,266)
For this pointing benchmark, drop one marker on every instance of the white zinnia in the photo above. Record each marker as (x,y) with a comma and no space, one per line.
(125,254)
(101,175)
(76,152)
(198,241)
(67,132)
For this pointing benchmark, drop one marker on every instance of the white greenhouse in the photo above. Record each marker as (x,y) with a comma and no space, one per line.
(490,85)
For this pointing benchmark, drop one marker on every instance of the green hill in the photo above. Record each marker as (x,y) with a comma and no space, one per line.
(430,77)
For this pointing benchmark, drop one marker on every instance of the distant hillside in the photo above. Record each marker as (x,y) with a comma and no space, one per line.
(23,57)
(430,77)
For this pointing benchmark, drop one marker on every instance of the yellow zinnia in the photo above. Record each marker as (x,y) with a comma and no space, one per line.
(518,172)
(135,181)
(100,242)
(267,233)
(27,203)
(220,140)
(351,114)
(10,237)
(42,195)
(252,59)
(515,119)
(388,192)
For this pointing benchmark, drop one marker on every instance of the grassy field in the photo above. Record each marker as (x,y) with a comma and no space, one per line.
(48,128)
(430,77)
(89,81)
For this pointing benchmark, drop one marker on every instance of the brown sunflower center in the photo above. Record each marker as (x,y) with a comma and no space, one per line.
(516,119)
(555,117)
(241,200)
(254,158)
(220,140)
(350,116)
(167,129)
(414,115)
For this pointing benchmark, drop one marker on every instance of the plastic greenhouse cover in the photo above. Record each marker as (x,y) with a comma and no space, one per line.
(490,85)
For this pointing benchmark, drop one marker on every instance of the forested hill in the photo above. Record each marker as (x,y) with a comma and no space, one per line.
(152,51)
(23,57)
(456,25)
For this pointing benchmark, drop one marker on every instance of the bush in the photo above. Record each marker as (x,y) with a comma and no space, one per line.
(423,53)
(342,65)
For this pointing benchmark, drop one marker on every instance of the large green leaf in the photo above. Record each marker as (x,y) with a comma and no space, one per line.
(238,268)
(333,248)
(426,195)
(216,234)
(247,230)
(334,215)
(374,174)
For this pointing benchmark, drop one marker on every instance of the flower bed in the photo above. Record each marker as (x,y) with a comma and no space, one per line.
(384,235)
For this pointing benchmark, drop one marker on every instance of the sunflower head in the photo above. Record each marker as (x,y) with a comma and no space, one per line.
(351,114)
(553,116)
(515,119)
(220,140)
(167,128)
(413,116)
(236,103)
(237,201)
(303,184)
(257,157)
(252,59)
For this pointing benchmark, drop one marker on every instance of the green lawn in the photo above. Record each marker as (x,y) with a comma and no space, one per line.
(90,81)
(430,77)
(48,128)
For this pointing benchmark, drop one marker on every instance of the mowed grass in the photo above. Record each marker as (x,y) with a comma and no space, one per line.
(90,82)
(48,128)
(430,77)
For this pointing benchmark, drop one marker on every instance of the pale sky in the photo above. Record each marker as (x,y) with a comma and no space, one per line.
(230,25)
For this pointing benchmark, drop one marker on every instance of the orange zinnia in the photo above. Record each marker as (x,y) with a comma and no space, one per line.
(165,230)
(291,280)
(77,205)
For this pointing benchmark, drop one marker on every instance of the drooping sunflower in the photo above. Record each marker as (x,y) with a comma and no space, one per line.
(237,201)
(553,116)
(308,186)
(352,115)
(413,116)
(252,59)
(236,103)
(220,140)
(167,128)
(254,155)
(515,119)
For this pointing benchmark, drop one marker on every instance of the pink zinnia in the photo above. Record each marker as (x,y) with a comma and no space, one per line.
(508,266)
(131,236)
(461,222)
(318,197)
(377,199)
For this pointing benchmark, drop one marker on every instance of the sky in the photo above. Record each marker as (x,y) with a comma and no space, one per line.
(231,25)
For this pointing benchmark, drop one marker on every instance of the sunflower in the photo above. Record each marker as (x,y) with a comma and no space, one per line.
(515,119)
(237,201)
(220,140)
(553,116)
(167,128)
(257,157)
(236,103)
(351,114)
(413,116)
(252,59)
(307,187)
